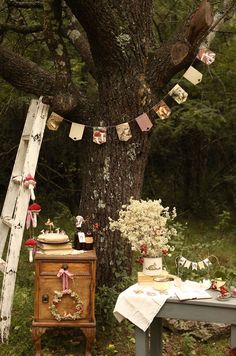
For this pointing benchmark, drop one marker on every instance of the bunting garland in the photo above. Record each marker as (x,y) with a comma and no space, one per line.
(182,261)
(162,108)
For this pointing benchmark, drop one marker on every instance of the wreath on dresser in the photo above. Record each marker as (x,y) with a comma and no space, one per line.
(57,298)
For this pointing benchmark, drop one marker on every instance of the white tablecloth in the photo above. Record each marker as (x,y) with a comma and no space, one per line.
(140,304)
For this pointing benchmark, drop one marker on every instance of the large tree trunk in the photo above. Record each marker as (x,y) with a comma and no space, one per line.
(131,70)
(113,172)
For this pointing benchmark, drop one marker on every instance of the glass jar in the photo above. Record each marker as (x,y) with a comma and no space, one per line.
(89,240)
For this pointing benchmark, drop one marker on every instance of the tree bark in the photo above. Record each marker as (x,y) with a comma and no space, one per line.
(131,72)
(130,79)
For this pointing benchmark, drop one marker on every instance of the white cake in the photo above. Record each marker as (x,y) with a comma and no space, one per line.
(53,237)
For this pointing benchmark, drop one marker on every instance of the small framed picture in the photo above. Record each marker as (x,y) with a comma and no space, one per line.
(162,110)
(99,135)
(123,131)
(178,94)
(206,56)
(193,75)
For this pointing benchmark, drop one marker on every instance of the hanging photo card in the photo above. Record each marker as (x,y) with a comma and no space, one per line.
(182,261)
(162,110)
(187,264)
(76,131)
(194,265)
(144,122)
(54,121)
(123,131)
(193,75)
(99,135)
(178,94)
(201,265)
(207,262)
(206,56)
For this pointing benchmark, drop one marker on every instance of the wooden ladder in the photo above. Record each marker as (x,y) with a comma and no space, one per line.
(15,207)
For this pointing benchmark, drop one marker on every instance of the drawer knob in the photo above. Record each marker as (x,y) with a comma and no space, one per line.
(65,266)
(45,298)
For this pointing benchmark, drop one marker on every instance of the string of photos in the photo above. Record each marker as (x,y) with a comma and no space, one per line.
(183,262)
(163,108)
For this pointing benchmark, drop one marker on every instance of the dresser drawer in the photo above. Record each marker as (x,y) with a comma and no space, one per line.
(52,268)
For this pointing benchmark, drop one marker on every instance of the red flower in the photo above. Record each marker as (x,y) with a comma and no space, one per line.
(139,260)
(165,251)
(143,249)
(96,226)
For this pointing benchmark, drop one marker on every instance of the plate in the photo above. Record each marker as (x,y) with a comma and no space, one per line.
(53,243)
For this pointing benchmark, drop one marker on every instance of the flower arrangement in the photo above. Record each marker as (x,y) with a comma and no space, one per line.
(147,226)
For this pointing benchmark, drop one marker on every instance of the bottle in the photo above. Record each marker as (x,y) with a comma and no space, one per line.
(79,240)
(89,240)
(79,237)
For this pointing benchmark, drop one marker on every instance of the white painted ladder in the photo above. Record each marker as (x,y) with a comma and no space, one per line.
(15,207)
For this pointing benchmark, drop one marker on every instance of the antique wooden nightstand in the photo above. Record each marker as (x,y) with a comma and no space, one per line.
(65,295)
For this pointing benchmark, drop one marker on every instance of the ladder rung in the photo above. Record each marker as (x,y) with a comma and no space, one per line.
(7,221)
(26,137)
(2,265)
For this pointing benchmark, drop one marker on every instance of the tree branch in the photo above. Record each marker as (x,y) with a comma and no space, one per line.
(67,95)
(52,23)
(25,4)
(179,52)
(25,74)
(21,29)
(79,40)
(114,30)
(219,19)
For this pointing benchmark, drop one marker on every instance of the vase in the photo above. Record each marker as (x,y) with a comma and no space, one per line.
(152,266)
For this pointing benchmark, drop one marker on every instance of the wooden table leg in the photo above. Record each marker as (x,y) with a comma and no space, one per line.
(141,342)
(156,337)
(90,334)
(37,332)
(233,337)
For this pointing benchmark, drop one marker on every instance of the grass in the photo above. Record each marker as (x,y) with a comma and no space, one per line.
(118,339)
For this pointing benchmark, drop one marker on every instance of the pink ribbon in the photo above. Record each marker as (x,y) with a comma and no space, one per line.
(29,219)
(65,274)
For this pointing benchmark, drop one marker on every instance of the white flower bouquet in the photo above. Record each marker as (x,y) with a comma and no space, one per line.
(147,226)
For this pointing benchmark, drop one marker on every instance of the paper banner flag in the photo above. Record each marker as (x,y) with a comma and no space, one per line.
(206,56)
(76,131)
(144,122)
(99,135)
(123,131)
(193,75)
(178,94)
(54,121)
(194,265)
(207,262)
(187,264)
(162,110)
(182,261)
(201,265)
